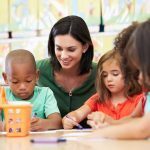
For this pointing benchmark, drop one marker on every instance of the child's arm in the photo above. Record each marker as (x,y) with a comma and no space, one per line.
(53,121)
(138,112)
(99,119)
(137,128)
(77,115)
(81,113)
(51,111)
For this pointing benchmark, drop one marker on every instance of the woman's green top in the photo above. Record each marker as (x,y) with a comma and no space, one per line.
(66,102)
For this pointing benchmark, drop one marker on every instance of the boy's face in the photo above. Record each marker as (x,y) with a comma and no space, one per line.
(22,79)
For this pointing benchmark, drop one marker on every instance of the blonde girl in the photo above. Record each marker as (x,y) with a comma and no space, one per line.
(118,95)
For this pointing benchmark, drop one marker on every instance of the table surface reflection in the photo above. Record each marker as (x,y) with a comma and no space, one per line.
(74,142)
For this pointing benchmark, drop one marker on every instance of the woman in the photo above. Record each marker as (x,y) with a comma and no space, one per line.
(69,71)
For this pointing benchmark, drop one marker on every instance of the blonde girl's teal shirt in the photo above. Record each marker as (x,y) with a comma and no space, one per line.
(43,101)
(147,104)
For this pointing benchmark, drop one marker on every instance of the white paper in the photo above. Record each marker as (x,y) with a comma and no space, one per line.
(43,132)
(75,134)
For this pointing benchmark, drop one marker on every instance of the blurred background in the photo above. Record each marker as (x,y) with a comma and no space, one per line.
(26,23)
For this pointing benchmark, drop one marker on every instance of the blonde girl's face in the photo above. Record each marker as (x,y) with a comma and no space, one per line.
(112,76)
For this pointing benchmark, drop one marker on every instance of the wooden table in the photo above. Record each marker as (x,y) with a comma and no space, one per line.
(23,143)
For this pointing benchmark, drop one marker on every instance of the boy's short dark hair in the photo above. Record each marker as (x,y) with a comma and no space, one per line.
(19,56)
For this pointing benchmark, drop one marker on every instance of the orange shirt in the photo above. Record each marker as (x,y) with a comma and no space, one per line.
(118,112)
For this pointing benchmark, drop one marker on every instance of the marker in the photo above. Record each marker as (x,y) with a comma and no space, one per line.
(50,140)
(76,124)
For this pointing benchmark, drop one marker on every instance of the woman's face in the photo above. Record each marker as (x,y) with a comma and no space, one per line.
(68,51)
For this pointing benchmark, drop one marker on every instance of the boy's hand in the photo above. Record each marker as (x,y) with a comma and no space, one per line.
(53,121)
(37,124)
(34,119)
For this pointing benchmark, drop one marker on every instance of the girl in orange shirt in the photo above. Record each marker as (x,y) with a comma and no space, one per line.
(118,95)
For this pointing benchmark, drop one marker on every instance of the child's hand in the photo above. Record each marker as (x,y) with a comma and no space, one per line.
(97,116)
(37,124)
(97,120)
(34,119)
(96,125)
(68,123)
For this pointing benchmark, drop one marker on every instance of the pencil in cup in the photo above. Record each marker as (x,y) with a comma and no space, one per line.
(75,123)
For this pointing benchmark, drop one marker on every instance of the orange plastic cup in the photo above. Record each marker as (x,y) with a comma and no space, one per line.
(17,118)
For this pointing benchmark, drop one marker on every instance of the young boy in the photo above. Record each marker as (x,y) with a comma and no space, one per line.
(21,76)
